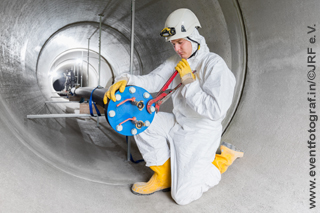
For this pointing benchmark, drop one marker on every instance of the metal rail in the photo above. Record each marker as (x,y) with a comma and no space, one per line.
(88,61)
(62,102)
(131,62)
(60,116)
(101,15)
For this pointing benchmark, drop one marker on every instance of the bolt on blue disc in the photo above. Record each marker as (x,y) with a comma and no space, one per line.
(128,115)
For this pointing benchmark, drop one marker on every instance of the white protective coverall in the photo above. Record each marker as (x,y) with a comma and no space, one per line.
(191,134)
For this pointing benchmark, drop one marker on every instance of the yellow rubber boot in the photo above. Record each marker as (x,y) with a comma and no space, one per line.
(228,155)
(160,181)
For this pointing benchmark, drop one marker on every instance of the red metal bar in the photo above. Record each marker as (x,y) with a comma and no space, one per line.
(161,96)
(166,85)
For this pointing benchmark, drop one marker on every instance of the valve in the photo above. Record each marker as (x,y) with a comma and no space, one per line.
(138,124)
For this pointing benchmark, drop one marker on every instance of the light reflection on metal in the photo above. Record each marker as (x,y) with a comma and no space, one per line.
(131,63)
(61,116)
(88,62)
(132,35)
(99,48)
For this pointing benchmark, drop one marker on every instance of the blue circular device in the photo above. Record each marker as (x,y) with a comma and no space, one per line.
(128,115)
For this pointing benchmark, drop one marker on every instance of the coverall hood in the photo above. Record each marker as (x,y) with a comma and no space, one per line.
(195,38)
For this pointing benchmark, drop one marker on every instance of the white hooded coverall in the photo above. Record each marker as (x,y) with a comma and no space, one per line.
(190,135)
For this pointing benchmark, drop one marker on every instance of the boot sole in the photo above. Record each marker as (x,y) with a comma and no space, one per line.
(239,153)
(230,146)
(162,190)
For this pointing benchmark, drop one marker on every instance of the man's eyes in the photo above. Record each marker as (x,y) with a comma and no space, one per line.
(174,44)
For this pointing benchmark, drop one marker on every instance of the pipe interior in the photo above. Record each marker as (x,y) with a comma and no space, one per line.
(78,146)
(261,42)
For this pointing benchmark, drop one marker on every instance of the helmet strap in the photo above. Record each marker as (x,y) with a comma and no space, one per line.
(193,54)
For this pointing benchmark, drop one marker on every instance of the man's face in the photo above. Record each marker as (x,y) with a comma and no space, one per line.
(182,47)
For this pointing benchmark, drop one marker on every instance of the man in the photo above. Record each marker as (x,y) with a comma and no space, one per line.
(180,147)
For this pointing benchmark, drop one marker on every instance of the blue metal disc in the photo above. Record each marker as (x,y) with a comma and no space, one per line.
(117,115)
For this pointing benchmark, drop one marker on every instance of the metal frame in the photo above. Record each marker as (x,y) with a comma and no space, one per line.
(101,15)
(131,63)
(62,102)
(61,116)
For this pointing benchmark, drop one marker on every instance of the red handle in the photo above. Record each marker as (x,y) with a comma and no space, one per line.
(166,85)
(129,99)
(129,119)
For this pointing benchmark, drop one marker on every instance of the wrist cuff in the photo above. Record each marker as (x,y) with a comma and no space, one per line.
(188,78)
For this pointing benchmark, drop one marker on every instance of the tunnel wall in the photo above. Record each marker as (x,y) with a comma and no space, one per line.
(29,50)
(270,123)
(272,119)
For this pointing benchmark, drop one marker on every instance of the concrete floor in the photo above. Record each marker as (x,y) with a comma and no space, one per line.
(70,165)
